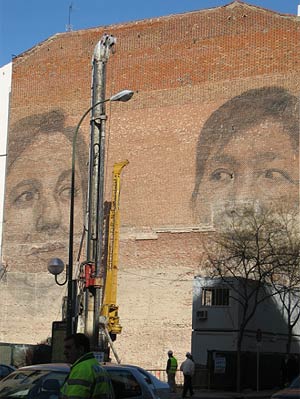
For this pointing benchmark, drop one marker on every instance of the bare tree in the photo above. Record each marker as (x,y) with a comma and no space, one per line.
(286,280)
(248,253)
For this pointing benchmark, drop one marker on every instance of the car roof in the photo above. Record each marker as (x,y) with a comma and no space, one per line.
(66,366)
(116,365)
(47,367)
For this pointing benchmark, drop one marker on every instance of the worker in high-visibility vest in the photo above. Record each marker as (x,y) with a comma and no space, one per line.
(87,378)
(171,371)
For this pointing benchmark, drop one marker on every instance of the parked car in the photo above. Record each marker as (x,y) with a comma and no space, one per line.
(5,369)
(291,392)
(159,388)
(43,381)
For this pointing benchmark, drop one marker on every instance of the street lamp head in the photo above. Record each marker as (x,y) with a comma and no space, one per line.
(55,266)
(123,96)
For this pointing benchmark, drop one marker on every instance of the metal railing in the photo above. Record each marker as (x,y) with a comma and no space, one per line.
(200,380)
(162,375)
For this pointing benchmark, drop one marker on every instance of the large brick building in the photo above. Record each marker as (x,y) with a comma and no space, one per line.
(184,68)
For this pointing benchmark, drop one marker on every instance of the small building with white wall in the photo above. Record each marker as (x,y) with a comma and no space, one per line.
(216,322)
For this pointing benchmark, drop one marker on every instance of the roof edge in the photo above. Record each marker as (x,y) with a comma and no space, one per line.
(235,3)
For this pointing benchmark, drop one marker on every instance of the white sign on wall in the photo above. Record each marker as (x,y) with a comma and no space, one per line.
(220,364)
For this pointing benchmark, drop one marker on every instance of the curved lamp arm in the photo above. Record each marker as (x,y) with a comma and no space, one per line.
(66,278)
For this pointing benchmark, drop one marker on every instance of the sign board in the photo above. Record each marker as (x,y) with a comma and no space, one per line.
(220,364)
(59,329)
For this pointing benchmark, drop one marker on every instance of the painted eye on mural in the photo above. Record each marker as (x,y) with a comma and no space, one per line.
(277,175)
(65,193)
(24,194)
(222,175)
(63,186)
(26,198)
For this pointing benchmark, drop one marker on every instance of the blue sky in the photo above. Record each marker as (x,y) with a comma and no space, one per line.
(25,23)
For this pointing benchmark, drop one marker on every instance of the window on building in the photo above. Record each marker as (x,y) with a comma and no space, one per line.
(215,297)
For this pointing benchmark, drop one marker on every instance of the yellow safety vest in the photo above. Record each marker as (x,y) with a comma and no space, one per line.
(173,368)
(87,380)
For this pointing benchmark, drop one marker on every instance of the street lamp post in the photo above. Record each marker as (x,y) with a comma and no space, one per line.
(55,266)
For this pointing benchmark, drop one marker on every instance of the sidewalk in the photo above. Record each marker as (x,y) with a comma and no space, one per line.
(213,394)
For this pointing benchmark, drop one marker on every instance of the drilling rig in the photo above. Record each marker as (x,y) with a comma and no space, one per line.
(100,267)
(92,292)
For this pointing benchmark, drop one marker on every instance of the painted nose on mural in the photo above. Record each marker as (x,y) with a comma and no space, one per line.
(49,218)
(245,189)
(242,197)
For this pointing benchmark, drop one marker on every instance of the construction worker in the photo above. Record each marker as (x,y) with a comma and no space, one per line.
(87,378)
(188,369)
(171,371)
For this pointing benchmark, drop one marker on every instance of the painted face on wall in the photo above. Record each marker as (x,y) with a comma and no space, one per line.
(40,190)
(256,164)
(39,193)
(37,208)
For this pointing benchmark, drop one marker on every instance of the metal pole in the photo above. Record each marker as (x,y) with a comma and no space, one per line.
(96,181)
(92,195)
(72,283)
(257,366)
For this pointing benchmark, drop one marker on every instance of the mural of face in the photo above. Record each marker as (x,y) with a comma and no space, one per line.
(39,192)
(38,188)
(249,169)
(252,163)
